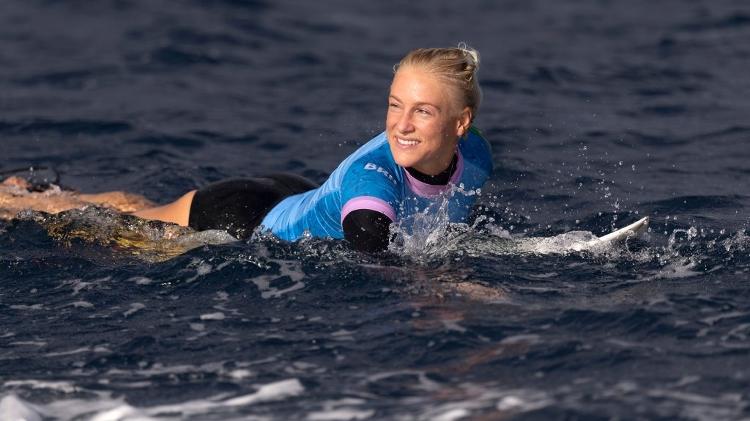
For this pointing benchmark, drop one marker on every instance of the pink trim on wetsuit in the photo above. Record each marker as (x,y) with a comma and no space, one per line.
(368,202)
(430,190)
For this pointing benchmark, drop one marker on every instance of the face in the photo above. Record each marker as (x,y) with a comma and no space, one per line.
(424,121)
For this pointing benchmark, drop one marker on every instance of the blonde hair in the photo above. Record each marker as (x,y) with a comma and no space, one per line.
(456,65)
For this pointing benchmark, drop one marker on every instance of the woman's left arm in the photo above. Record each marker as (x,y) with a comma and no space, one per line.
(367,230)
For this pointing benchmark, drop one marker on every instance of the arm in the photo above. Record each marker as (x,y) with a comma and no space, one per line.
(367,230)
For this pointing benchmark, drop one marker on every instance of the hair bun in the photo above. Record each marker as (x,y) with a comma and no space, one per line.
(472,56)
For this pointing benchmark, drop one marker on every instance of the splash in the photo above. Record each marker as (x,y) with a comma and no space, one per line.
(430,233)
(680,252)
(153,241)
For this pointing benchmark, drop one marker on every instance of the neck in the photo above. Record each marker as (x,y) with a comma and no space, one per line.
(441,178)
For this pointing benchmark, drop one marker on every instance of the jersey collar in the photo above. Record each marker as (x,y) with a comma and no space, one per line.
(423,189)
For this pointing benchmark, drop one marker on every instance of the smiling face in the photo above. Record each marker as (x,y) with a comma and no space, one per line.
(425,119)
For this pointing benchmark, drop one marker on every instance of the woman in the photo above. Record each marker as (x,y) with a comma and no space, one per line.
(428,146)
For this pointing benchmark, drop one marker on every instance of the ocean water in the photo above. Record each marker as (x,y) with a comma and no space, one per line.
(599,113)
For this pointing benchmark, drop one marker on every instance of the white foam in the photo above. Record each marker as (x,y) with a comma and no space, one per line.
(738,242)
(134,308)
(27,307)
(104,408)
(342,414)
(269,392)
(424,382)
(523,401)
(12,408)
(29,343)
(123,412)
(287,268)
(481,398)
(676,270)
(240,373)
(525,339)
(701,407)
(722,316)
(510,402)
(71,352)
(201,269)
(79,285)
(343,335)
(453,414)
(62,386)
(341,410)
(450,324)
(213,316)
(545,275)
(159,369)
(140,280)
(266,393)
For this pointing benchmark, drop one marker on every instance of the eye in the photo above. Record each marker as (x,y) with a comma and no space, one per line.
(423,111)
(393,105)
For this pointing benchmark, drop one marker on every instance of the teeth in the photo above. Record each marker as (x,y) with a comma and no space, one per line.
(406,142)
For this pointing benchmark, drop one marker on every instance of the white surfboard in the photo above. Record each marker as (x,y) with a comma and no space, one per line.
(621,234)
(631,230)
(577,240)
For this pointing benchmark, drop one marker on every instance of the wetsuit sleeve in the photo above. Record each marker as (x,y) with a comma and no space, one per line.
(370,200)
(367,230)
(370,186)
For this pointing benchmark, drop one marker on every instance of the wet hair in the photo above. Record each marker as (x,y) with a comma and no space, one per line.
(456,65)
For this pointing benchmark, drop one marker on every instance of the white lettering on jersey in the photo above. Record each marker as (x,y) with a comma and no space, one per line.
(372,167)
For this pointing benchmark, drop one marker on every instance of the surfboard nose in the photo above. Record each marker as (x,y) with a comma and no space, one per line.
(633,229)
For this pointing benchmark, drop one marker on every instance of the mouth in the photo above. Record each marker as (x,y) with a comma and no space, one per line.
(406,142)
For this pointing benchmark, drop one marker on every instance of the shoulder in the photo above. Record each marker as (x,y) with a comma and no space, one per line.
(373,162)
(372,180)
(476,149)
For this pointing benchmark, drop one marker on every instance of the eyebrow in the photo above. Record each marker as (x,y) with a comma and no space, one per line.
(418,103)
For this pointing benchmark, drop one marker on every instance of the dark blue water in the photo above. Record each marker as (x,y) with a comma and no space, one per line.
(599,112)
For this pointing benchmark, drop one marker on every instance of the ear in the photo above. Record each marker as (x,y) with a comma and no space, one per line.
(464,122)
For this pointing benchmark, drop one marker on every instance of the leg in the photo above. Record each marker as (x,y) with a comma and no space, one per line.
(13,201)
(118,200)
(16,195)
(177,212)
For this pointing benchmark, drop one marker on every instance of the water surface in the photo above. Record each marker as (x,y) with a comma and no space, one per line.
(598,113)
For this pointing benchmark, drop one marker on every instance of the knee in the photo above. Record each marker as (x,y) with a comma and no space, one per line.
(177,212)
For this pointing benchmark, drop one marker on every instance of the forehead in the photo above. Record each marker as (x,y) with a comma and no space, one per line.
(415,84)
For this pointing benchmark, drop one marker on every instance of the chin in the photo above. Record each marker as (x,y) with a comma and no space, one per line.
(403,161)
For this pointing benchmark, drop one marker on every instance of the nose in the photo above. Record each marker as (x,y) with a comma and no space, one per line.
(404,124)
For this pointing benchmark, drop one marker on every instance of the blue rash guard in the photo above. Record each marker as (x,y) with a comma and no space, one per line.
(370,179)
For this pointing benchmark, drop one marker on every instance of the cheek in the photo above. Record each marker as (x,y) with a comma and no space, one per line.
(388,120)
(391,119)
(439,132)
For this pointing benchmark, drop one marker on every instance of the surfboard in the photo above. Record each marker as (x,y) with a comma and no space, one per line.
(631,230)
(621,234)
